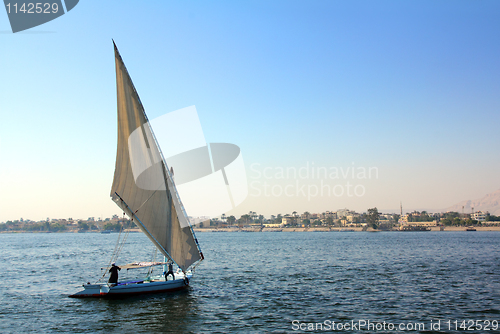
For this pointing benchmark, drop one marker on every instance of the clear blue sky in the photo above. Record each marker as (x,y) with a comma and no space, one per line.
(411,88)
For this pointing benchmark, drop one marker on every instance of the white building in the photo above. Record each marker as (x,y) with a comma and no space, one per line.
(480,216)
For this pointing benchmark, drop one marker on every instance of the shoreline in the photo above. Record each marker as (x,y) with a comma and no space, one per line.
(295,229)
(130,230)
(343,229)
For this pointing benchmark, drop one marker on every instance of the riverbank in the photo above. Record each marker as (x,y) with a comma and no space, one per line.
(292,229)
(130,230)
(340,229)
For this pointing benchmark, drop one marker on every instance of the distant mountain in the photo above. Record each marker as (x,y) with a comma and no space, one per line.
(490,203)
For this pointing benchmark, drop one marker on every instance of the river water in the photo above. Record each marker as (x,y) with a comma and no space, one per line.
(262,283)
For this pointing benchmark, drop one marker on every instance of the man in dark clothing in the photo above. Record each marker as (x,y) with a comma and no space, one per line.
(170,271)
(113,278)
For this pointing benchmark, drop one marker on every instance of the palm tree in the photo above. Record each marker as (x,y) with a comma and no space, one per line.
(231,220)
(246,218)
(261,220)
(252,215)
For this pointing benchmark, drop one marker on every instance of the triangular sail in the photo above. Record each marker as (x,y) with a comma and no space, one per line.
(142,185)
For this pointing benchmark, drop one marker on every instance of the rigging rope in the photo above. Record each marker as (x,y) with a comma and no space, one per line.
(154,192)
(153,259)
(118,247)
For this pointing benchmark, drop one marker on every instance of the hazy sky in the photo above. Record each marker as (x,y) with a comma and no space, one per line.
(406,90)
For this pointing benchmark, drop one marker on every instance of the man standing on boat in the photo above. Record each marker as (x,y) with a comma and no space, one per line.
(170,271)
(113,278)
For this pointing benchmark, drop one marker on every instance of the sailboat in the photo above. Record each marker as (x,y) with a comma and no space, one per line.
(143,187)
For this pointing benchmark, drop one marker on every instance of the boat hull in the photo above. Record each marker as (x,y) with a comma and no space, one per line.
(131,288)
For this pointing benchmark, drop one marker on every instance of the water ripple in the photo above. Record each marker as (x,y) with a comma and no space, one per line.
(257,282)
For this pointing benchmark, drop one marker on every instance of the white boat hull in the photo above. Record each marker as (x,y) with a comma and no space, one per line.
(132,288)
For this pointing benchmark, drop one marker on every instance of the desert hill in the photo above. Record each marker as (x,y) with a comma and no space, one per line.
(490,203)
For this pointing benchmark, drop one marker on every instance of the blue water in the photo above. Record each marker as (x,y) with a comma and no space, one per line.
(259,283)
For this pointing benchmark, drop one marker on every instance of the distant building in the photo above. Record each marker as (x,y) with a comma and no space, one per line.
(480,216)
(352,217)
(386,217)
(329,214)
(275,225)
(427,224)
(403,220)
(343,213)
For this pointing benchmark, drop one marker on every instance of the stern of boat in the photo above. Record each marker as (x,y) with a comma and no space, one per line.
(91,290)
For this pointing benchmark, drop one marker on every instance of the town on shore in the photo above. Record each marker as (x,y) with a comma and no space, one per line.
(341,220)
(346,220)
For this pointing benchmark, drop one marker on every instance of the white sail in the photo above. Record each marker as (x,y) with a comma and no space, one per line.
(142,184)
